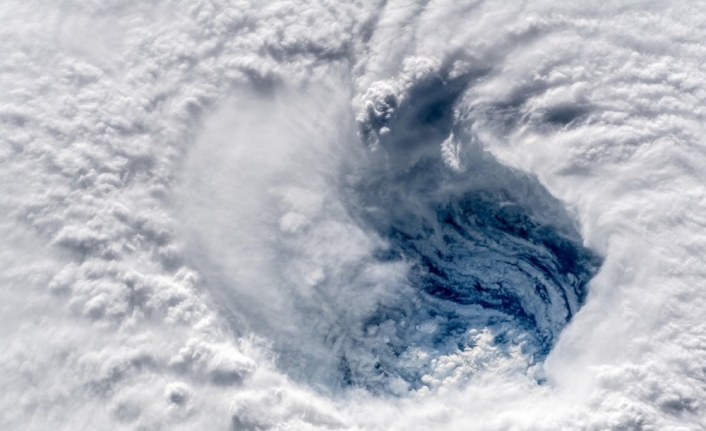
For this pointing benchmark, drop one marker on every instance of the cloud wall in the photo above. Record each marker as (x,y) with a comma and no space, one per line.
(197,200)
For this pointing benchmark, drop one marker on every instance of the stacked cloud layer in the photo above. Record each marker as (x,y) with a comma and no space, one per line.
(367,215)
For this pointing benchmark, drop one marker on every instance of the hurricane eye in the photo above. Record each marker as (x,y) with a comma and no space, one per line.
(496,267)
(479,263)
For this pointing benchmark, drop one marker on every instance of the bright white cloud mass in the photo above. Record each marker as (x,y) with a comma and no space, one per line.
(352,215)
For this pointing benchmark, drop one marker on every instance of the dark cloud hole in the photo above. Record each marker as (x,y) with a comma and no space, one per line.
(488,249)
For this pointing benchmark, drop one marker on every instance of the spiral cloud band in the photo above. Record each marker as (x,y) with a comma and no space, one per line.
(352,215)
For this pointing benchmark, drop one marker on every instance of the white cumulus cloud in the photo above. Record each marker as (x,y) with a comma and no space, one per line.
(202,209)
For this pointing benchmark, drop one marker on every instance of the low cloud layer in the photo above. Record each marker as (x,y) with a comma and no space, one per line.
(221,214)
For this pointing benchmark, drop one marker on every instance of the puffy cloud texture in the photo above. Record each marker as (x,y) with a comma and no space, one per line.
(222,215)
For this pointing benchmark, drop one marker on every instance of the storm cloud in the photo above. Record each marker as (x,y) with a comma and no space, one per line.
(369,215)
